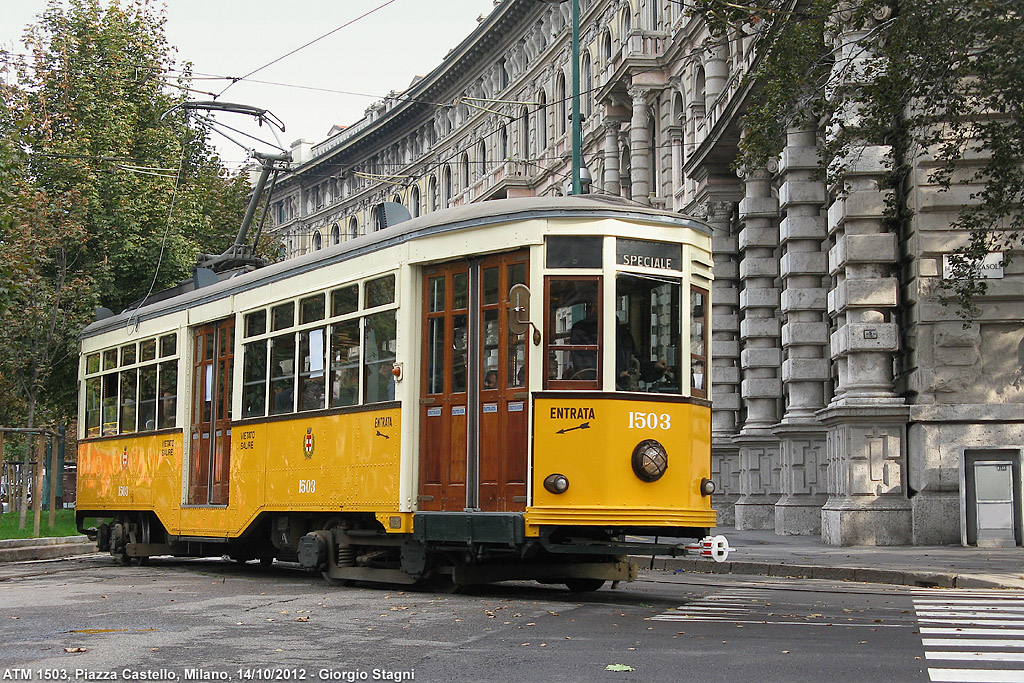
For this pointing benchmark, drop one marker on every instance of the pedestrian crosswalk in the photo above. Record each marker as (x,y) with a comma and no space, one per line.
(972,636)
(728,606)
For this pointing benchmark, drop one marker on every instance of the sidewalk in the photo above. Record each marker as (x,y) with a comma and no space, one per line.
(766,554)
(21,549)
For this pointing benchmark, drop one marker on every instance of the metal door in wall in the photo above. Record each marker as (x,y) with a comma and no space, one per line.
(210,459)
(473,417)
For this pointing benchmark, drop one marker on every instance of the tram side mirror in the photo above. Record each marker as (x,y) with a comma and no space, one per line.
(519,312)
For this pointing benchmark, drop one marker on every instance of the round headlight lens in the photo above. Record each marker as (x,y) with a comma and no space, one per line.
(556,483)
(650,461)
(707,487)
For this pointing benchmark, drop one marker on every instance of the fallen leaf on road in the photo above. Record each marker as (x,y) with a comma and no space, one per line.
(74,650)
(619,667)
(301,619)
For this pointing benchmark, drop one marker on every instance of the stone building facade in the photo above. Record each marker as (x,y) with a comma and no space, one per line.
(848,401)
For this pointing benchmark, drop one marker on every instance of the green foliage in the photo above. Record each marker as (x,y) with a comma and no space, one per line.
(64,525)
(935,79)
(103,196)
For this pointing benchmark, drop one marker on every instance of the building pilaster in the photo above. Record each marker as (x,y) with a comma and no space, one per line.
(725,362)
(867,421)
(761,357)
(805,370)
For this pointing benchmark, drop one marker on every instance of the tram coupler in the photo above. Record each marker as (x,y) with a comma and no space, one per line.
(715,547)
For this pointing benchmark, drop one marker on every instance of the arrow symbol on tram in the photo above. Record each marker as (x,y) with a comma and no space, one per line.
(384,435)
(585,425)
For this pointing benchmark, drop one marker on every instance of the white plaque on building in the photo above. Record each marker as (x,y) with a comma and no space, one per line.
(991,267)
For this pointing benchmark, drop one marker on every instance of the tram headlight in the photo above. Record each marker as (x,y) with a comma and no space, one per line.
(556,483)
(707,487)
(650,460)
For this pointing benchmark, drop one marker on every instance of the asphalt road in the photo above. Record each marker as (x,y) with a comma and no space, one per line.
(90,619)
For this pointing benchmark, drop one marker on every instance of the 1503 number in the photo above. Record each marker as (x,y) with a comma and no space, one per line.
(649,421)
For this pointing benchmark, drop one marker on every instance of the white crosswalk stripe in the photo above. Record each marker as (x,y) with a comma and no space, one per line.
(972,636)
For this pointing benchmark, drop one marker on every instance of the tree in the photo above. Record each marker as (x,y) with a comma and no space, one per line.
(946,84)
(105,198)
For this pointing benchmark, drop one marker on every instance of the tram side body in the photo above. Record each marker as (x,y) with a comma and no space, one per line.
(327,487)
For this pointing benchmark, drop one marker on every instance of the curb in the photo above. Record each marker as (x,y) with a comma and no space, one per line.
(898,577)
(22,549)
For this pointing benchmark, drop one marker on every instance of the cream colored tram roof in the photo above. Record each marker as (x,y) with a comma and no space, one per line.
(436,222)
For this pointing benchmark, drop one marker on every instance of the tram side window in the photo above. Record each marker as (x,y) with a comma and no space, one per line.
(92,404)
(698,341)
(282,374)
(129,398)
(147,397)
(647,334)
(312,371)
(345,364)
(379,349)
(380,291)
(574,332)
(254,379)
(110,403)
(168,402)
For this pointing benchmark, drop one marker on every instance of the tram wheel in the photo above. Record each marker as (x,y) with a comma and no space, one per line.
(266,561)
(583,585)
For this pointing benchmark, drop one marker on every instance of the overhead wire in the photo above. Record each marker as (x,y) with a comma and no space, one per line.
(302,47)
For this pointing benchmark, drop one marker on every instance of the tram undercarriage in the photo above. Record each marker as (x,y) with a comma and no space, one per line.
(447,550)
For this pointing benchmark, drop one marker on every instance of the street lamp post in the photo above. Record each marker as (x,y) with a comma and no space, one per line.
(577,120)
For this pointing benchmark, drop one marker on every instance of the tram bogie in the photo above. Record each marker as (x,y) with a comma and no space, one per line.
(399,408)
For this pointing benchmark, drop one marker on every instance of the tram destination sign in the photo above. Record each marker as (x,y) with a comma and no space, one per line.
(647,254)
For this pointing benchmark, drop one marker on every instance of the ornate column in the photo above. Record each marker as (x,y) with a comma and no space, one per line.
(725,361)
(761,357)
(805,369)
(716,73)
(639,161)
(611,156)
(867,421)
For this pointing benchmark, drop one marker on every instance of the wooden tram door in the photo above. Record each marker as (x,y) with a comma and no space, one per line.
(213,358)
(473,415)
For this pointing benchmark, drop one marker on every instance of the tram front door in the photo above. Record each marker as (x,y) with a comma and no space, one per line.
(473,416)
(210,454)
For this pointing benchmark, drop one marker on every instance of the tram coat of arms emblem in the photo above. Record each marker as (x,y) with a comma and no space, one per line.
(307,443)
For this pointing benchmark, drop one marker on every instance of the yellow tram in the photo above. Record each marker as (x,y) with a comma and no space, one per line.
(510,389)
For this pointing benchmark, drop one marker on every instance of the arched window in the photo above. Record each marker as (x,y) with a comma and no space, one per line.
(542,122)
(606,45)
(481,158)
(587,85)
(379,222)
(652,6)
(652,151)
(432,193)
(524,133)
(397,199)
(353,228)
(503,77)
(414,201)
(560,104)
(503,143)
(318,241)
(627,23)
(446,185)
(465,170)
(699,87)
(335,234)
